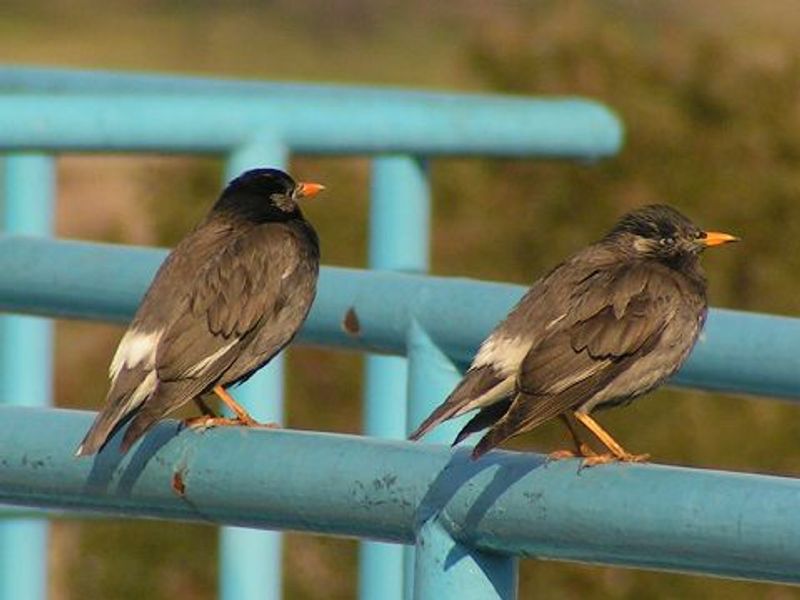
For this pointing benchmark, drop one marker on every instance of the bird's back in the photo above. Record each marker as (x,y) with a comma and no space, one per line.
(217,309)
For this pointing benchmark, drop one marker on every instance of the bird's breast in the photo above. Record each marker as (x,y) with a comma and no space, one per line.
(653,367)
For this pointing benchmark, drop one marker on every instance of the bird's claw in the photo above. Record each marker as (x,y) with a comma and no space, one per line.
(583,451)
(561,455)
(204,422)
(602,459)
(636,458)
(207,422)
(598,459)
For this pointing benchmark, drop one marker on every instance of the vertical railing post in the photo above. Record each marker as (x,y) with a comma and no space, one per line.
(251,560)
(431,377)
(399,231)
(26,364)
(443,569)
(447,570)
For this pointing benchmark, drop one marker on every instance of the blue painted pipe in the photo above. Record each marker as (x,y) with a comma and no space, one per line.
(445,568)
(739,352)
(399,240)
(17,80)
(26,358)
(657,517)
(431,377)
(429,124)
(476,574)
(251,560)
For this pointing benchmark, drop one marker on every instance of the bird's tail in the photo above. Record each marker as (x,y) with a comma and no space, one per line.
(105,425)
(442,413)
(476,383)
(487,417)
(140,425)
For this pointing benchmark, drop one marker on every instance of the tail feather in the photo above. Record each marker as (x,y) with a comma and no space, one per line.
(169,396)
(485,418)
(442,413)
(475,383)
(527,412)
(140,425)
(103,429)
(494,437)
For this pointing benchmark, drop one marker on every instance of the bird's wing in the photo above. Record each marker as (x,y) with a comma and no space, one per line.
(490,381)
(238,281)
(242,286)
(242,305)
(615,317)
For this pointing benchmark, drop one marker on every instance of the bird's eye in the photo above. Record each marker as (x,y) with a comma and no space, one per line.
(700,235)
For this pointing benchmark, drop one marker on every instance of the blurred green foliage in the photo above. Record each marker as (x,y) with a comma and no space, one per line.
(709,96)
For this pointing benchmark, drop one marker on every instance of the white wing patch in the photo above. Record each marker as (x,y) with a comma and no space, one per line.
(555,322)
(503,354)
(143,390)
(135,348)
(498,392)
(209,360)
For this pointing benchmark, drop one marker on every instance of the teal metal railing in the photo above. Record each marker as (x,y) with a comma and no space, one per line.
(256,124)
(465,523)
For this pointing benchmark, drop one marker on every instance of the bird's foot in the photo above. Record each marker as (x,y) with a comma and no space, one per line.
(598,459)
(270,425)
(602,459)
(245,420)
(204,422)
(636,458)
(561,455)
(583,451)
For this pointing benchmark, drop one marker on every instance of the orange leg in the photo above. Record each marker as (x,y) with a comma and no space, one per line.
(209,419)
(617,452)
(581,449)
(241,414)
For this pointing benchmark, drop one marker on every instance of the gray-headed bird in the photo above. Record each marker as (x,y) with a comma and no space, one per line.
(604,327)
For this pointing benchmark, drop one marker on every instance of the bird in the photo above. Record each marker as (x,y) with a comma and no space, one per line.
(230,296)
(602,328)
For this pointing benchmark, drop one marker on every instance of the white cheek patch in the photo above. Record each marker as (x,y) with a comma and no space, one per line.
(502,354)
(208,361)
(135,348)
(642,245)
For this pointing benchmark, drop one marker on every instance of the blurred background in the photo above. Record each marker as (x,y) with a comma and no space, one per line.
(708,93)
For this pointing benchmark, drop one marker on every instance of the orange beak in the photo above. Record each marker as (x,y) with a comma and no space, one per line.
(715,238)
(308,190)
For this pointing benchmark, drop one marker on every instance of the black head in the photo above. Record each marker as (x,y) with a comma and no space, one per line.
(660,232)
(264,195)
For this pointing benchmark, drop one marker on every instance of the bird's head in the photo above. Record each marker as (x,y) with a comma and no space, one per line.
(265,195)
(660,232)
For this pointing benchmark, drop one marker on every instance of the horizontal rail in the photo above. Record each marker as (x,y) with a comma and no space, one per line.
(738,352)
(313,122)
(637,515)
(20,80)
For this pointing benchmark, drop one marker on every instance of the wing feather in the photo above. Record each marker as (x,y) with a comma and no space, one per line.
(229,297)
(617,316)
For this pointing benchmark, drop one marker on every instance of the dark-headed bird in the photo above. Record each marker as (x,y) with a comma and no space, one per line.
(228,298)
(609,324)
